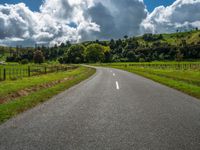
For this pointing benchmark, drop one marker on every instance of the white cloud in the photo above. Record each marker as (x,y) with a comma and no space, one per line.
(182,14)
(79,20)
(16,21)
(74,20)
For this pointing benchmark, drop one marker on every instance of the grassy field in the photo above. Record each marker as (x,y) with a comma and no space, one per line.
(15,71)
(191,37)
(20,95)
(184,76)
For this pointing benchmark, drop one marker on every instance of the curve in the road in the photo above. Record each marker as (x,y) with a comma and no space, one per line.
(113,109)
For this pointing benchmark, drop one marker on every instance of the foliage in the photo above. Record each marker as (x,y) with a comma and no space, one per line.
(24,61)
(75,54)
(95,53)
(149,47)
(38,57)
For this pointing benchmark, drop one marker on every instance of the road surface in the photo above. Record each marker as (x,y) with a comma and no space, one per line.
(113,110)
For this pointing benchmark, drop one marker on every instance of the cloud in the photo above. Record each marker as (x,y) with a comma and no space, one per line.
(117,18)
(74,20)
(182,15)
(16,21)
(81,20)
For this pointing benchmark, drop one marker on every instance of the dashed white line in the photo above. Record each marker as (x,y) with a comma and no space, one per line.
(113,74)
(117,85)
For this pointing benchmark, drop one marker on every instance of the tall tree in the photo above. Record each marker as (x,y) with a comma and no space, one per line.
(95,53)
(75,54)
(38,57)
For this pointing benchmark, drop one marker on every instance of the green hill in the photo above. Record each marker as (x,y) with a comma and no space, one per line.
(148,47)
(192,37)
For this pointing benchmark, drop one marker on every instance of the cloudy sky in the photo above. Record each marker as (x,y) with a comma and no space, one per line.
(27,22)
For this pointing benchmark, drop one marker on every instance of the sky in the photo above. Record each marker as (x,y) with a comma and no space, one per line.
(152,4)
(34,5)
(49,22)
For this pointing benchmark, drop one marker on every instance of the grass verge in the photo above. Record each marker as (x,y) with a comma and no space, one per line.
(12,108)
(187,81)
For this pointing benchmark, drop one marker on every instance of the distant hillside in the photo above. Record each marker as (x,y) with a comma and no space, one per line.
(149,47)
(192,37)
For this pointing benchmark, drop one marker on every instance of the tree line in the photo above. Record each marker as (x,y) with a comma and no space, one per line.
(147,48)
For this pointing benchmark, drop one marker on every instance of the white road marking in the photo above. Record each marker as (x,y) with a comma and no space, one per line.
(111,71)
(113,74)
(117,85)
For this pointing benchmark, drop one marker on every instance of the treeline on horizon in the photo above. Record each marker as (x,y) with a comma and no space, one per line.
(146,48)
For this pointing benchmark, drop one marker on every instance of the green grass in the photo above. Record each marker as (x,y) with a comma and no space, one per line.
(175,38)
(15,71)
(12,108)
(10,86)
(187,81)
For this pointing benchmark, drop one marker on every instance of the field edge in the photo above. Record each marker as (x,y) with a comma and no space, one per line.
(13,108)
(188,89)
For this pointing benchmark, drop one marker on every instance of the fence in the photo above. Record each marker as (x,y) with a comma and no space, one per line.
(174,66)
(18,72)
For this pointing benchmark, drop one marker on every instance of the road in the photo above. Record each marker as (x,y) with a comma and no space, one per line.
(113,110)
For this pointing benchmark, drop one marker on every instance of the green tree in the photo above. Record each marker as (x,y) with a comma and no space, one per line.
(38,57)
(94,53)
(75,54)
(179,56)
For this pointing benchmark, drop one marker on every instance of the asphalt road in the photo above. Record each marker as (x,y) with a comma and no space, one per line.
(113,110)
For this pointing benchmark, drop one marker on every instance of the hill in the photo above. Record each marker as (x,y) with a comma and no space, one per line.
(148,47)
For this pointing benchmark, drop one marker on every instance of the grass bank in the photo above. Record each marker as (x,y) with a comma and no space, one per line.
(185,80)
(17,105)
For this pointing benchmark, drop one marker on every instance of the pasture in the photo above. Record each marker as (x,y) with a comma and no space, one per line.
(16,71)
(17,96)
(184,76)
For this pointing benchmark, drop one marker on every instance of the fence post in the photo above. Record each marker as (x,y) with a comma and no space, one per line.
(29,71)
(4,74)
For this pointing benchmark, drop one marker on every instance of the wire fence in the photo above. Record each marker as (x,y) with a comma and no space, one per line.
(19,72)
(174,66)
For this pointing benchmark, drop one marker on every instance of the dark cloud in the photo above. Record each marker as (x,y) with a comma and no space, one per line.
(117,18)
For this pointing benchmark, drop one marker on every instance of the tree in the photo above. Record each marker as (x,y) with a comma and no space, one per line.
(94,53)
(62,45)
(125,37)
(38,57)
(179,56)
(131,56)
(24,61)
(76,54)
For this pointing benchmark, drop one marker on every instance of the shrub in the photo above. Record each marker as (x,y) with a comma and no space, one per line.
(141,60)
(38,57)
(95,53)
(24,61)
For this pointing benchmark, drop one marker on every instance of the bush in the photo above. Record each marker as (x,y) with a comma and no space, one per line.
(60,60)
(95,53)
(24,61)
(38,57)
(141,60)
(75,54)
